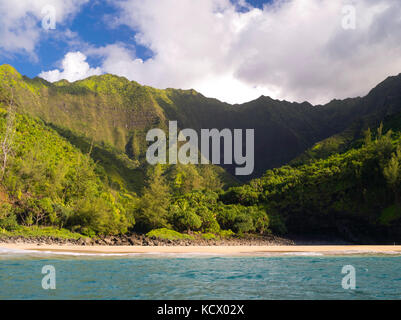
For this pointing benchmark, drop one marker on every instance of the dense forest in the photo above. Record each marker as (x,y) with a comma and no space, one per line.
(72,156)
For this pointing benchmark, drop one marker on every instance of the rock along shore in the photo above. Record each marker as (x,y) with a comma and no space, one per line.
(142,240)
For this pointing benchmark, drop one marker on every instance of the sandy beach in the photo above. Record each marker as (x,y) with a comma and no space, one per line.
(219,250)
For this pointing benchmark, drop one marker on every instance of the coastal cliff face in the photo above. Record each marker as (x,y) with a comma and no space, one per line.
(113,111)
(332,177)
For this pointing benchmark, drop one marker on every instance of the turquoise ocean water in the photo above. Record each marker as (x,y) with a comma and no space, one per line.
(198,276)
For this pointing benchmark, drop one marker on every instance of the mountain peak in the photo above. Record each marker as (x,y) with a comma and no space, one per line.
(6,70)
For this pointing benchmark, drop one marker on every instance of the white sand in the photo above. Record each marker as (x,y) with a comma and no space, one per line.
(229,250)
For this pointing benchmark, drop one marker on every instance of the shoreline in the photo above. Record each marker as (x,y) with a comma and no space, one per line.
(140,240)
(212,250)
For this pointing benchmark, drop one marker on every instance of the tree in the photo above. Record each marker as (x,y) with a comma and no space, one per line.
(186,178)
(8,219)
(211,178)
(153,207)
(7,141)
(236,218)
(184,217)
(392,172)
(380,130)
(368,137)
(260,219)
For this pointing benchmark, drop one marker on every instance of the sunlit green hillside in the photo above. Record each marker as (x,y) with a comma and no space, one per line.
(73,156)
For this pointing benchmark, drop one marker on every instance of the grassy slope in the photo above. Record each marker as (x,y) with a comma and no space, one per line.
(117,113)
(114,114)
(48,180)
(109,113)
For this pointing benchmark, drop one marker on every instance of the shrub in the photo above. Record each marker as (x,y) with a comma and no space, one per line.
(168,234)
(184,218)
(260,219)
(236,218)
(44,231)
(208,236)
(8,219)
(226,234)
(209,222)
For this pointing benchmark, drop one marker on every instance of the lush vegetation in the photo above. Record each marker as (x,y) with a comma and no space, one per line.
(348,193)
(49,182)
(114,115)
(72,158)
(35,232)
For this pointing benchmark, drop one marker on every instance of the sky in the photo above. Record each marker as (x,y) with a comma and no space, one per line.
(232,50)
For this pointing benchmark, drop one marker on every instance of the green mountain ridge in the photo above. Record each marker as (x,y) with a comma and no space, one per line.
(380,105)
(117,112)
(323,174)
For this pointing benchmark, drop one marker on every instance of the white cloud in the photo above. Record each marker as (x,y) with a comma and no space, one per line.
(74,67)
(290,49)
(20,26)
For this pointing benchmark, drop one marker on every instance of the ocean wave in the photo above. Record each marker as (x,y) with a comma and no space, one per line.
(15,251)
(344,253)
(369,252)
(7,252)
(303,254)
(10,252)
(67,253)
(18,252)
